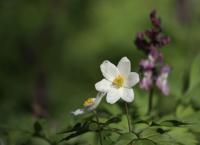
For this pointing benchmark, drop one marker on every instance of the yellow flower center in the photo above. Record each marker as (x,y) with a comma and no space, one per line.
(118,82)
(88,102)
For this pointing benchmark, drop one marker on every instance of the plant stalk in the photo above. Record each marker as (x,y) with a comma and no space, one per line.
(150,101)
(128,118)
(99,131)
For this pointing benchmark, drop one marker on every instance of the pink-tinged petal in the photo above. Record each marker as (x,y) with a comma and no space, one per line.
(162,84)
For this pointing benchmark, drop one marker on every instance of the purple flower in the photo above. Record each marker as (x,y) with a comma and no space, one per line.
(161,81)
(153,59)
(155,55)
(155,72)
(146,64)
(142,43)
(154,20)
(152,38)
(147,82)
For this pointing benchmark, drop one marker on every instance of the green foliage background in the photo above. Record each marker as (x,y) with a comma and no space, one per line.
(55,47)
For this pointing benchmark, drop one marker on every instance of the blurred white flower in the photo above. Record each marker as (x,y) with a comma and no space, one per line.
(118,81)
(89,104)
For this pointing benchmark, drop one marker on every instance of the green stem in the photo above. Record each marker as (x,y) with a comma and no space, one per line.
(99,131)
(128,118)
(150,100)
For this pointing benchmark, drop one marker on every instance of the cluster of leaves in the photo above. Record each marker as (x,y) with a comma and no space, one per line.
(180,126)
(162,131)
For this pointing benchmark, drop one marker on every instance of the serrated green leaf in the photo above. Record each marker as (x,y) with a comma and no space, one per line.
(139,127)
(162,139)
(125,139)
(183,136)
(182,111)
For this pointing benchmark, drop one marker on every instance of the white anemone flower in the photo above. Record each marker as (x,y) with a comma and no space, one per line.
(118,81)
(89,104)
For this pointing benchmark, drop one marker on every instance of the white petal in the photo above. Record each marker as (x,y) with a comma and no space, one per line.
(78,112)
(103,85)
(128,95)
(109,70)
(113,95)
(132,79)
(124,66)
(97,101)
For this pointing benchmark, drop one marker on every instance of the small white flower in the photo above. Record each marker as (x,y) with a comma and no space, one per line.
(89,104)
(118,81)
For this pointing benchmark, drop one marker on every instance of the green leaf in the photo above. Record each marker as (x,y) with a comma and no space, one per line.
(183,136)
(77,130)
(152,131)
(93,126)
(108,137)
(193,92)
(125,139)
(76,127)
(194,73)
(37,127)
(122,124)
(140,126)
(173,123)
(163,139)
(144,142)
(113,120)
(38,131)
(183,112)
(194,96)
(38,141)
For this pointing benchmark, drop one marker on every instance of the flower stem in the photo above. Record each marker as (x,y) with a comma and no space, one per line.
(99,131)
(150,100)
(128,117)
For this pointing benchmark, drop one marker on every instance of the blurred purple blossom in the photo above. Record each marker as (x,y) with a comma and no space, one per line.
(155,72)
(147,81)
(154,20)
(152,38)
(161,81)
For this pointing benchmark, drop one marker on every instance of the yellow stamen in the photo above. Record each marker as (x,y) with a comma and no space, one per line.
(88,102)
(118,82)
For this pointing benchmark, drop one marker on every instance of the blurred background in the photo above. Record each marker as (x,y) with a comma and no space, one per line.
(51,50)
